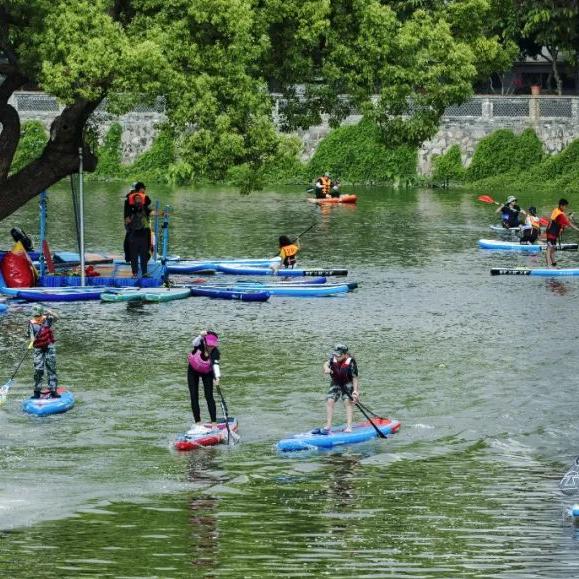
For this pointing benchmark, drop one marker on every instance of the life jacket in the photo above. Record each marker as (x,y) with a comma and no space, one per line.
(534,221)
(198,363)
(43,336)
(326,184)
(288,254)
(340,371)
(138,215)
(554,229)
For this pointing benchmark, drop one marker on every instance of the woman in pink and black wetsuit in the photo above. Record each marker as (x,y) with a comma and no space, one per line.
(204,364)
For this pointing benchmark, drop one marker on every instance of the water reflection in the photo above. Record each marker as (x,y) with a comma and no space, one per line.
(558,287)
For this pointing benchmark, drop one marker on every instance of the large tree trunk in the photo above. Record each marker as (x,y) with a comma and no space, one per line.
(59,159)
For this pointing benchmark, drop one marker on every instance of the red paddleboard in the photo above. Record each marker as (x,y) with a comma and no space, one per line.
(210,437)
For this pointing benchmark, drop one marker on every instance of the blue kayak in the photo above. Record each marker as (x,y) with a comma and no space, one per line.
(298,290)
(361,432)
(194,266)
(514,246)
(245,295)
(247,270)
(45,405)
(539,272)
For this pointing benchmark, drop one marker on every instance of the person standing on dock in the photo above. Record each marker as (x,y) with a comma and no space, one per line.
(558,223)
(137,212)
(343,369)
(44,352)
(204,365)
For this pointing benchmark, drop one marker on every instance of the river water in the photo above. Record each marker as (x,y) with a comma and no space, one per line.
(481,371)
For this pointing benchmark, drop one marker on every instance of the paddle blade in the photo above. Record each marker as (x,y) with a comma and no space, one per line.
(543,222)
(486,199)
(4,391)
(569,484)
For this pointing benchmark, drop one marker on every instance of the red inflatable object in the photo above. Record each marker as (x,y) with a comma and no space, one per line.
(17,269)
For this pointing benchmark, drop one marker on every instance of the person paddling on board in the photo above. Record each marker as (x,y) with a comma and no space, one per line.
(288,251)
(139,230)
(559,221)
(44,351)
(204,365)
(532,227)
(510,211)
(343,369)
(323,186)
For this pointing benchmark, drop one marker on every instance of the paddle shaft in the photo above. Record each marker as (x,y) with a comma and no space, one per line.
(225,413)
(18,367)
(361,409)
(306,230)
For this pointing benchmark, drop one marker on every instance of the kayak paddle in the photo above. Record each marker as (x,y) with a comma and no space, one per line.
(361,409)
(230,434)
(487,199)
(306,230)
(6,388)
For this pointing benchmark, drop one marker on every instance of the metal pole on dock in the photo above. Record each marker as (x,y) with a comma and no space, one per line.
(41,260)
(81,212)
(156,244)
(165,243)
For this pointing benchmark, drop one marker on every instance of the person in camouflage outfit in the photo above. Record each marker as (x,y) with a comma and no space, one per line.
(44,352)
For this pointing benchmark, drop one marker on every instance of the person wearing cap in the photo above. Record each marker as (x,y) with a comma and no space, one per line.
(510,211)
(343,369)
(204,365)
(138,238)
(558,223)
(532,228)
(44,351)
(323,186)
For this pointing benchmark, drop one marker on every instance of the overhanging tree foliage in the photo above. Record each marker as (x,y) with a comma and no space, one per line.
(216,63)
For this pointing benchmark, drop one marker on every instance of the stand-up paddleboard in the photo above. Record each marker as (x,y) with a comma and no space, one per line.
(361,432)
(515,246)
(159,294)
(46,405)
(206,435)
(299,290)
(247,270)
(538,272)
(194,266)
(569,484)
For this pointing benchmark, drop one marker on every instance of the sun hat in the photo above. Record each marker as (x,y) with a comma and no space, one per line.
(511,198)
(211,340)
(37,309)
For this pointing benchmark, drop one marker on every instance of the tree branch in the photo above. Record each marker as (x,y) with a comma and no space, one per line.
(9,137)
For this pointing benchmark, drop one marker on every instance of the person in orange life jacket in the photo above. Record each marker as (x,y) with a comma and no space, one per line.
(288,251)
(44,352)
(559,221)
(204,365)
(126,216)
(510,212)
(343,369)
(139,232)
(532,227)
(323,186)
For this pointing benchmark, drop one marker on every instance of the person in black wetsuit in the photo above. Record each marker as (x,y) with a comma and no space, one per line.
(137,212)
(204,365)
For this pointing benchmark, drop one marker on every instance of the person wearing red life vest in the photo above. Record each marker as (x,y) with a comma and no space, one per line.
(558,222)
(343,369)
(203,365)
(137,212)
(44,351)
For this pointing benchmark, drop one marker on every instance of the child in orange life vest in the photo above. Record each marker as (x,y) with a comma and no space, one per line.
(204,365)
(532,227)
(44,353)
(343,369)
(559,221)
(288,251)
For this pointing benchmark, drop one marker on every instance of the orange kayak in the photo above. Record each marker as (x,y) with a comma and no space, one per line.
(332,200)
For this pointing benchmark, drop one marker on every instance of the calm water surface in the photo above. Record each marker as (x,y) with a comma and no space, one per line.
(481,371)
